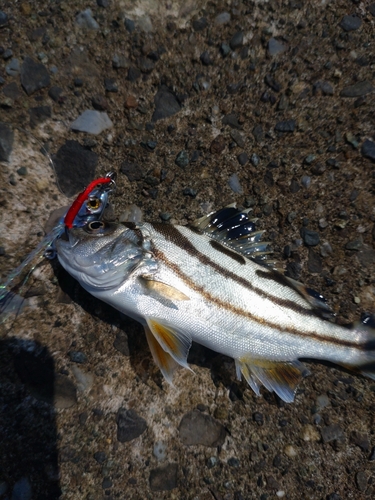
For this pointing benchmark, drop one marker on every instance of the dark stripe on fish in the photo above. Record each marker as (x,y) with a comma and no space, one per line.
(172,234)
(241,312)
(228,252)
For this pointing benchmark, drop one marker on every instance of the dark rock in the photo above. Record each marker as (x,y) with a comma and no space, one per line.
(255,159)
(129,425)
(224,49)
(332,433)
(258,418)
(272,484)
(166,104)
(164,478)
(368,149)
(324,87)
(120,61)
(39,114)
(78,82)
(310,238)
(100,457)
(242,158)
(236,40)
(121,343)
(133,74)
(182,159)
(132,171)
(34,76)
(195,156)
(206,58)
(74,167)
(3,19)
(354,245)
(294,186)
(102,3)
(13,91)
(129,25)
(238,138)
(231,120)
(371,9)
(358,89)
(350,23)
(77,357)
(372,454)
(361,440)
(233,462)
(268,178)
(6,141)
(258,133)
(217,145)
(276,47)
(55,93)
(199,428)
(189,192)
(145,64)
(366,257)
(200,24)
(107,483)
(285,126)
(314,262)
(110,85)
(272,83)
(361,481)
(99,102)
(318,169)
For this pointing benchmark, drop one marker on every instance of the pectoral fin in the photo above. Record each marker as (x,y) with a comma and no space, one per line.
(163,290)
(281,377)
(163,360)
(175,344)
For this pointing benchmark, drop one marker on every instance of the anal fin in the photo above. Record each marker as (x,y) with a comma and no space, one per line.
(281,377)
(162,359)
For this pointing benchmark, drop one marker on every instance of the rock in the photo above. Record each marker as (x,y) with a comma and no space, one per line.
(129,425)
(324,87)
(200,24)
(6,141)
(272,83)
(350,23)
(242,158)
(133,74)
(100,457)
(199,428)
(129,25)
(65,393)
(39,114)
(34,76)
(145,64)
(131,102)
(222,18)
(258,133)
(92,122)
(132,171)
(120,61)
(160,450)
(166,104)
(13,67)
(332,433)
(361,440)
(55,93)
(231,120)
(314,262)
(3,19)
(361,481)
(358,89)
(217,145)
(206,58)
(236,40)
(189,192)
(77,357)
(85,20)
(75,167)
(371,9)
(107,483)
(99,102)
(182,159)
(224,49)
(164,478)
(368,149)
(238,138)
(110,85)
(276,47)
(234,183)
(310,238)
(84,380)
(121,343)
(255,159)
(285,126)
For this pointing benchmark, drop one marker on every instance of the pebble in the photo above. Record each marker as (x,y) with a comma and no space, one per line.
(121,342)
(314,262)
(132,171)
(205,58)
(34,76)
(55,93)
(84,380)
(332,433)
(290,451)
(129,25)
(242,158)
(13,67)
(77,357)
(255,159)
(160,450)
(236,40)
(361,440)
(6,141)
(189,192)
(310,433)
(120,61)
(324,87)
(318,169)
(107,483)
(166,104)
(22,490)
(217,145)
(110,85)
(238,138)
(39,114)
(200,24)
(306,181)
(222,18)
(361,481)
(211,462)
(224,49)
(129,425)
(358,89)
(231,120)
(92,122)
(182,159)
(310,238)
(276,47)
(233,462)
(198,428)
(3,18)
(74,167)
(354,245)
(368,149)
(285,126)
(85,20)
(350,23)
(164,478)
(234,182)
(65,392)
(100,457)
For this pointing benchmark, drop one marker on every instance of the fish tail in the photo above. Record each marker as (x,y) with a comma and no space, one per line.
(365,364)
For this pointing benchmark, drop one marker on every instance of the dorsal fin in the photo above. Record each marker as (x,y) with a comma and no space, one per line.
(235,229)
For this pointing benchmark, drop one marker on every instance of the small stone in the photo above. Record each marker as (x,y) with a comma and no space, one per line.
(129,425)
(120,61)
(310,433)
(131,102)
(358,89)
(121,343)
(294,186)
(13,67)
(372,454)
(159,451)
(206,58)
(361,481)
(39,114)
(290,451)
(182,159)
(85,20)
(100,457)
(276,47)
(132,171)
(7,54)
(55,93)
(236,40)
(102,3)
(65,392)
(314,262)
(222,18)
(272,83)
(211,462)
(77,357)
(164,478)
(258,133)
(350,23)
(324,87)
(285,126)
(234,184)
(92,122)
(272,484)
(318,169)
(34,76)
(99,102)
(332,433)
(107,483)
(354,245)
(242,158)
(361,440)
(217,145)
(198,428)
(233,462)
(310,238)
(166,104)
(238,138)
(3,19)
(133,74)
(224,49)
(6,141)
(22,171)
(145,64)
(189,192)
(255,159)
(231,120)
(306,181)
(110,85)
(129,25)
(22,490)
(200,24)
(368,150)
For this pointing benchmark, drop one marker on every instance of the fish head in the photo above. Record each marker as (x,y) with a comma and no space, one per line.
(101,255)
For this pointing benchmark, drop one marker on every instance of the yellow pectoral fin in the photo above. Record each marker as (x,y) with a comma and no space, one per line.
(163,360)
(176,344)
(163,290)
(282,377)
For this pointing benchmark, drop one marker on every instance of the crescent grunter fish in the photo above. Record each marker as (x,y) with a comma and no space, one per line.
(213,283)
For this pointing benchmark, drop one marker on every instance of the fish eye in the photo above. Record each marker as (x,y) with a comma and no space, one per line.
(93,203)
(95,226)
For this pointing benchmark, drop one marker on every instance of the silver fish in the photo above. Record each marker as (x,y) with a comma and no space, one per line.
(213,283)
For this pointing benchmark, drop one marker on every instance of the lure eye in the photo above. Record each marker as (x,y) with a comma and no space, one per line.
(93,203)
(95,226)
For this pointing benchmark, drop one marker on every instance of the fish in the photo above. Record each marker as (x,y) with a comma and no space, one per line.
(214,282)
